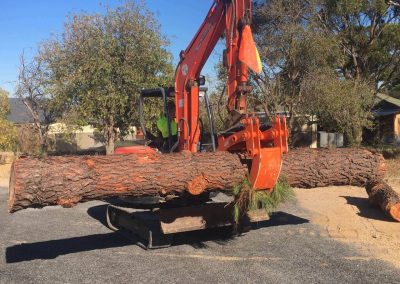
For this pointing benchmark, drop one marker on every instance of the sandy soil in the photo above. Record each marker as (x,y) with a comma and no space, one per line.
(4,174)
(345,214)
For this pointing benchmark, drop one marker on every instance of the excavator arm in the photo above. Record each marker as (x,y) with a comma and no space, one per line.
(188,71)
(232,19)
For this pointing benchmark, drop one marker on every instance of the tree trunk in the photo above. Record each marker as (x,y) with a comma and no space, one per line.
(309,168)
(68,180)
(110,140)
(110,147)
(383,196)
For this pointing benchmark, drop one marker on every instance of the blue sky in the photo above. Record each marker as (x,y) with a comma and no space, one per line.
(25,23)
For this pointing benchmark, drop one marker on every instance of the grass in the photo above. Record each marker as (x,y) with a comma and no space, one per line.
(248,199)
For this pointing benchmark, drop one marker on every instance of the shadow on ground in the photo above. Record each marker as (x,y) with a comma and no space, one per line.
(366,209)
(197,239)
(54,248)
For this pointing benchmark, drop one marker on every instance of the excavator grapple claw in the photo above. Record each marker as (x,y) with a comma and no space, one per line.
(265,168)
(267,160)
(265,148)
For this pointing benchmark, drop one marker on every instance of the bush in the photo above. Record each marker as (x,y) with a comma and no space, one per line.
(8,137)
(387,151)
(28,140)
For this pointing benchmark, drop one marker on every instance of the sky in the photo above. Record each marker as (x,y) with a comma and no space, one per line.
(25,23)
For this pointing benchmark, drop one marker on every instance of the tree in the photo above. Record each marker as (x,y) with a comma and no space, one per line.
(341,105)
(7,129)
(100,62)
(369,35)
(327,57)
(291,46)
(33,87)
(4,104)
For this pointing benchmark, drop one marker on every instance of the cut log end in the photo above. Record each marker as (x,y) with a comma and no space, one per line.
(382,195)
(394,211)
(197,185)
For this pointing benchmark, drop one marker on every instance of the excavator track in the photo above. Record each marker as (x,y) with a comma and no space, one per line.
(152,229)
(141,227)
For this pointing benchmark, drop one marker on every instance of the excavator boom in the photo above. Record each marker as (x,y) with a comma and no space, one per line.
(231,19)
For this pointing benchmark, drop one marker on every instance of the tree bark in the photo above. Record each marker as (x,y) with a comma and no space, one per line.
(382,195)
(68,180)
(110,140)
(309,168)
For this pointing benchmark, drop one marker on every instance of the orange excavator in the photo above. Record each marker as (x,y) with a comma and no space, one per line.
(262,146)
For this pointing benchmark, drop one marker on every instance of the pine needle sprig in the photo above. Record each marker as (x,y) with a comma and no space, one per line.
(248,199)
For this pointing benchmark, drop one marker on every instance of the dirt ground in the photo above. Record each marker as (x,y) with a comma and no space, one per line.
(344,214)
(4,174)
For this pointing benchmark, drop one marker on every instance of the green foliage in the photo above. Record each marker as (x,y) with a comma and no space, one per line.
(340,105)
(247,199)
(291,46)
(8,132)
(100,63)
(290,41)
(368,33)
(327,57)
(4,105)
(8,137)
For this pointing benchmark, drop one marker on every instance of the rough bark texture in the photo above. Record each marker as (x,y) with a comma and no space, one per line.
(68,180)
(309,168)
(383,196)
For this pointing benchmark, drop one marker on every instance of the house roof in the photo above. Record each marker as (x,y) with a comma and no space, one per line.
(18,112)
(386,105)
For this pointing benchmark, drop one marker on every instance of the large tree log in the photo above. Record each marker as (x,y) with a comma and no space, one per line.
(382,195)
(309,168)
(68,180)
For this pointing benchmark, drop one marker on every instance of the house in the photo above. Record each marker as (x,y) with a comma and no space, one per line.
(28,140)
(19,114)
(304,132)
(387,118)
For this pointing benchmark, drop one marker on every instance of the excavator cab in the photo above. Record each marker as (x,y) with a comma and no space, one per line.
(165,95)
(153,141)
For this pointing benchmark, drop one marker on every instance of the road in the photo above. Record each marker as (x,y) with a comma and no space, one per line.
(57,245)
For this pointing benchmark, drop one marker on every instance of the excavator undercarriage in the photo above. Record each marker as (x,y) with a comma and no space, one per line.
(157,226)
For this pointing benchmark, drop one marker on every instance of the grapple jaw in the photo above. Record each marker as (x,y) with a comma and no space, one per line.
(265,168)
(266,161)
(264,148)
